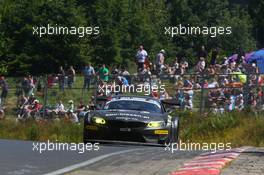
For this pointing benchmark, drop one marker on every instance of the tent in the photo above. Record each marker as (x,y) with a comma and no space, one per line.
(257,57)
(248,55)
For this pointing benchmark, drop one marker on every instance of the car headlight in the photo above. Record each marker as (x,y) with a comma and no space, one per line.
(155,124)
(99,120)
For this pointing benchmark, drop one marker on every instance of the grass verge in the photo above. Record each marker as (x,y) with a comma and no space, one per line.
(238,128)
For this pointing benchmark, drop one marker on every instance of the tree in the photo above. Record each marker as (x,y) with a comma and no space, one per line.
(27,52)
(256,11)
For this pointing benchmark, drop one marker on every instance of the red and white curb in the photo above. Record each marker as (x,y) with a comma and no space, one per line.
(209,163)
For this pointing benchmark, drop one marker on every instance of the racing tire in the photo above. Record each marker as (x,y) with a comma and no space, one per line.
(174,131)
(87,138)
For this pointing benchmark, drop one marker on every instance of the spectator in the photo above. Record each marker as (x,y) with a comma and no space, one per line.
(141,57)
(31,99)
(103,73)
(50,80)
(159,62)
(88,73)
(175,67)
(202,53)
(61,78)
(2,113)
(214,56)
(71,76)
(25,83)
(214,108)
(31,84)
(120,80)
(22,101)
(145,75)
(214,84)
(81,108)
(240,103)
(29,110)
(225,61)
(70,112)
(36,107)
(188,103)
(164,95)
(240,55)
(4,87)
(59,109)
(200,67)
(125,74)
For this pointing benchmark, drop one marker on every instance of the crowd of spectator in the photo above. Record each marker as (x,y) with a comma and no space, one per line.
(226,84)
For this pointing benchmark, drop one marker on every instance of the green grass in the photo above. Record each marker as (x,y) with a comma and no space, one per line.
(239,129)
(63,131)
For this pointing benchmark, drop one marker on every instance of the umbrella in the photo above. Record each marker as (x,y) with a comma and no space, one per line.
(258,56)
(248,55)
(232,58)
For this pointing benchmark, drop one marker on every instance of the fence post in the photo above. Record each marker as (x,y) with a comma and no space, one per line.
(45,93)
(246,91)
(258,99)
(202,95)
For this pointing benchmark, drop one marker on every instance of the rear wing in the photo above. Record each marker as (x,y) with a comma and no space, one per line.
(171,104)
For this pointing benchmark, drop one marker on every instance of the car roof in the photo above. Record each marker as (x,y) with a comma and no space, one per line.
(145,99)
(136,98)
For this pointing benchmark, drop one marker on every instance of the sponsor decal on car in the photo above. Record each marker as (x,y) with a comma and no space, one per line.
(161,132)
(92,127)
(126,114)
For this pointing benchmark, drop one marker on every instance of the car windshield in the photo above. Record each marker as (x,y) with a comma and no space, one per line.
(134,105)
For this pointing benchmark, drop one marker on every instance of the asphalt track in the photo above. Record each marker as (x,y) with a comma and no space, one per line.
(18,157)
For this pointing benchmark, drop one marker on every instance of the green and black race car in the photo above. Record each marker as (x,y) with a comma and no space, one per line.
(131,118)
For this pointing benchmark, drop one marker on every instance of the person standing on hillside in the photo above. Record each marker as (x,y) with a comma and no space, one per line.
(71,76)
(4,87)
(202,53)
(214,56)
(88,73)
(25,84)
(141,56)
(159,62)
(61,78)
(31,84)
(103,73)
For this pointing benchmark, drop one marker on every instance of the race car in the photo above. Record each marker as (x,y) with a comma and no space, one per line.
(131,118)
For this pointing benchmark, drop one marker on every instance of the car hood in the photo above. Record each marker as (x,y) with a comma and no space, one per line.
(129,115)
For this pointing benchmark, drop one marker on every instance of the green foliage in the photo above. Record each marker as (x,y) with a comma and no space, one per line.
(27,52)
(211,14)
(33,132)
(124,24)
(256,11)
